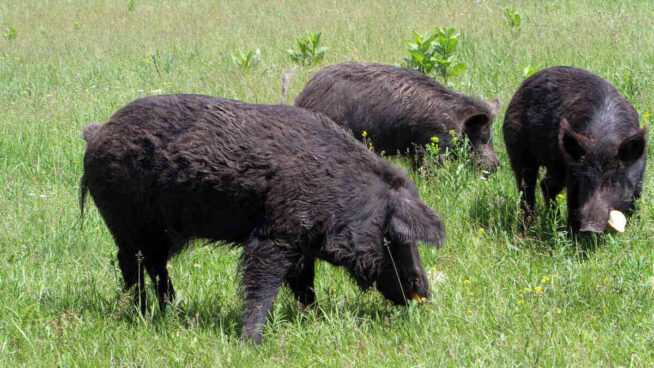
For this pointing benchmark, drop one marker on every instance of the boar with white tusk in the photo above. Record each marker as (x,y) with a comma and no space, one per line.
(577,126)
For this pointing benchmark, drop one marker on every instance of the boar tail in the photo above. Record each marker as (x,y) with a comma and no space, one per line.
(286,79)
(83,190)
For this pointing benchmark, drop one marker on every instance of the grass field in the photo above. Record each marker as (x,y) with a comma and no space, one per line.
(510,298)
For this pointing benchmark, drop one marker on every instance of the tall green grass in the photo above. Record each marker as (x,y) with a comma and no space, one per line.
(510,298)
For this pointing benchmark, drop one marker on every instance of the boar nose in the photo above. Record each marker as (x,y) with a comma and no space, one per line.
(591,229)
(489,162)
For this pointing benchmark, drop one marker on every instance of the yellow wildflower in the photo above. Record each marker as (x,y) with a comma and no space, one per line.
(466,282)
(544,279)
(527,290)
(364,134)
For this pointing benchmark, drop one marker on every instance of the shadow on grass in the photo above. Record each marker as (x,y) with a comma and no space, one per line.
(214,313)
(548,231)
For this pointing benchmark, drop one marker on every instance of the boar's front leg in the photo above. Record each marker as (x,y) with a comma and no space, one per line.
(552,185)
(526,177)
(300,280)
(265,264)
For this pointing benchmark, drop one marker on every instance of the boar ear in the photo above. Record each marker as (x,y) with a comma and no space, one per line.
(572,144)
(632,148)
(412,221)
(494,105)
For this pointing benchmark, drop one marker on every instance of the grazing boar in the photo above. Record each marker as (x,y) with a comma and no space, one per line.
(400,110)
(577,126)
(286,184)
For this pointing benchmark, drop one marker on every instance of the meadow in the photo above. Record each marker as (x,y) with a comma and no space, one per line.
(505,297)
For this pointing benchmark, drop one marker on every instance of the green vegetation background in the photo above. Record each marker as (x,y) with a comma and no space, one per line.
(508,298)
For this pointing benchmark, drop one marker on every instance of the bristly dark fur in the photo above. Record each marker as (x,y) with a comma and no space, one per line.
(576,125)
(400,109)
(287,184)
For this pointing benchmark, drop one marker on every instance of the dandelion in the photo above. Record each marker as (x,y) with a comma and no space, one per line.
(544,279)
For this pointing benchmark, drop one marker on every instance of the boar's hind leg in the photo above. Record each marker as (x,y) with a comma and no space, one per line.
(265,264)
(156,267)
(300,280)
(131,266)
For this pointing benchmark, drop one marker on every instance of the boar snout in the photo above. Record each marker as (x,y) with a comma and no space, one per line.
(488,160)
(593,215)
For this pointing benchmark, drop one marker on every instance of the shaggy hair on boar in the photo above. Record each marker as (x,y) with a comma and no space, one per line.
(401,110)
(577,126)
(285,183)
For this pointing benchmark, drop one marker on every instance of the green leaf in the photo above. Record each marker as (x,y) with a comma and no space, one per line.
(456,70)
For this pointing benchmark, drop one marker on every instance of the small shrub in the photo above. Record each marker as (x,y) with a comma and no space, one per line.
(247,61)
(309,51)
(367,141)
(10,33)
(512,17)
(131,7)
(435,53)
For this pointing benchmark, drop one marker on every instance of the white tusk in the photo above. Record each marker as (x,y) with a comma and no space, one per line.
(617,221)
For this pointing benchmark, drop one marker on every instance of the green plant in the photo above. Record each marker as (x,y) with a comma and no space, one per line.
(10,33)
(130,6)
(309,51)
(629,85)
(435,53)
(529,70)
(247,61)
(512,17)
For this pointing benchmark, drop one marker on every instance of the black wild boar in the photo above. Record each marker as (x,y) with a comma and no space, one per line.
(287,184)
(577,126)
(400,109)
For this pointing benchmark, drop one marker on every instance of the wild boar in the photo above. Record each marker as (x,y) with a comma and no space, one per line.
(579,127)
(401,110)
(286,184)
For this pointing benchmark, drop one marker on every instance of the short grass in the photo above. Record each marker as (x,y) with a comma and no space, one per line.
(510,298)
